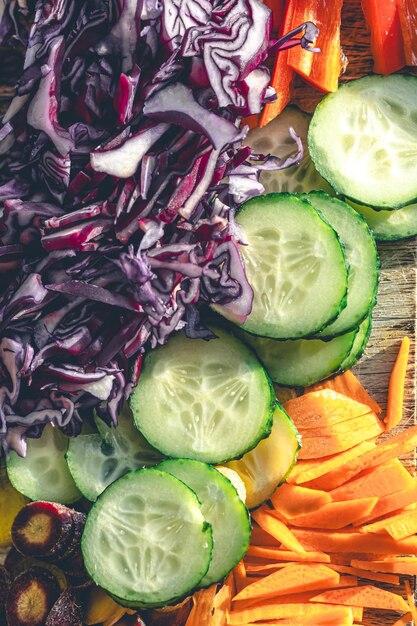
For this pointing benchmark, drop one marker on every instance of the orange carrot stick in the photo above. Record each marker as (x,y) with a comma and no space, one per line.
(240,578)
(336,514)
(379,481)
(311,470)
(293,501)
(392,502)
(401,565)
(307,612)
(275,554)
(323,408)
(398,526)
(342,541)
(348,385)
(377,576)
(396,386)
(367,596)
(396,446)
(292,579)
(278,530)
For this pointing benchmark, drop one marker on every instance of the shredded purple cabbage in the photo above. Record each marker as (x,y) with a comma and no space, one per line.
(122,166)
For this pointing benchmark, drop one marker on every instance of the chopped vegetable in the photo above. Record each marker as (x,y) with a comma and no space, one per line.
(380,481)
(31,596)
(336,514)
(293,501)
(323,613)
(286,555)
(393,502)
(408,19)
(278,530)
(321,70)
(396,386)
(101,607)
(323,409)
(398,526)
(366,596)
(290,579)
(401,565)
(11,502)
(383,578)
(282,73)
(383,18)
(312,470)
(348,385)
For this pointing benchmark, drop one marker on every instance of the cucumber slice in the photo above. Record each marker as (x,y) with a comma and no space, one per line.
(97,460)
(302,362)
(275,138)
(146,540)
(43,474)
(210,401)
(295,265)
(267,466)
(359,344)
(390,225)
(362,139)
(222,508)
(361,256)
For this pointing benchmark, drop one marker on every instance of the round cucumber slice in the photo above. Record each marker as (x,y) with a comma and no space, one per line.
(275,138)
(302,362)
(222,508)
(146,540)
(97,460)
(210,401)
(295,265)
(43,474)
(361,256)
(362,139)
(390,225)
(359,344)
(265,467)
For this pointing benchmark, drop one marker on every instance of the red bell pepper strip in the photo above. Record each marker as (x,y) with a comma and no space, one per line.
(408,19)
(322,69)
(383,17)
(282,74)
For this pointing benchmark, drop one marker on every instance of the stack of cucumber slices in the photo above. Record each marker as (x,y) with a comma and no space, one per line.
(164,520)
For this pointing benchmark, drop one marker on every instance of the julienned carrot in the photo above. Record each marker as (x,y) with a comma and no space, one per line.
(348,385)
(377,576)
(336,514)
(396,386)
(400,565)
(392,448)
(311,470)
(275,554)
(222,603)
(278,530)
(282,74)
(344,428)
(202,606)
(315,447)
(387,46)
(323,69)
(410,600)
(293,501)
(380,481)
(261,538)
(292,579)
(391,503)
(408,19)
(342,541)
(367,596)
(323,408)
(305,612)
(240,578)
(398,526)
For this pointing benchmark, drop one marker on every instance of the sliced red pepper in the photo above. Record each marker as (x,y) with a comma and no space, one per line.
(320,69)
(282,74)
(383,19)
(408,19)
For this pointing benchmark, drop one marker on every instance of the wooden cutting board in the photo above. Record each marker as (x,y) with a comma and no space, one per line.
(395,313)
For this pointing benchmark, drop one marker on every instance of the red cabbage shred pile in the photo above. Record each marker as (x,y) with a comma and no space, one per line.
(121,167)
